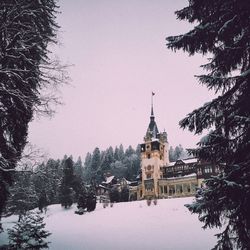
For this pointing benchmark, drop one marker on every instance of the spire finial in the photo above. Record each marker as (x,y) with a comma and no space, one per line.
(152,105)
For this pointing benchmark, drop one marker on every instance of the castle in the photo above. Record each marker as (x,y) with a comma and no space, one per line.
(160,178)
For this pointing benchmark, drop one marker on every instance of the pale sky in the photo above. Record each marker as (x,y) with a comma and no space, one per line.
(119,53)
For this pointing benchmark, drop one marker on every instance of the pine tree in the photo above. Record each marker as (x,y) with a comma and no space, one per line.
(95,173)
(82,200)
(222,32)
(22,195)
(79,168)
(91,199)
(171,154)
(67,195)
(29,233)
(42,201)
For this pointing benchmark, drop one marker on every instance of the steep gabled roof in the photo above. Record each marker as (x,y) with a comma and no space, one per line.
(152,127)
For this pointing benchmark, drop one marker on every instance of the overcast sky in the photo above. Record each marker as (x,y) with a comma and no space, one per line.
(119,53)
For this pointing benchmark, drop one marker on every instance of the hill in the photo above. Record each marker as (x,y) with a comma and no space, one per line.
(131,225)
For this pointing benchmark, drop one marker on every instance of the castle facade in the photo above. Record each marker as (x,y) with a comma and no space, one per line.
(160,178)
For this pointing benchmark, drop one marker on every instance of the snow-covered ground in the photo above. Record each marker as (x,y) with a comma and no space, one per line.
(131,225)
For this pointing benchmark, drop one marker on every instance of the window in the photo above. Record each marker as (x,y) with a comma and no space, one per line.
(149,176)
(199,172)
(149,167)
(179,188)
(208,170)
(148,156)
(171,190)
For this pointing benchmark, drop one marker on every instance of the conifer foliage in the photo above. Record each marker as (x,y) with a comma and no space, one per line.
(67,195)
(26,29)
(29,233)
(222,32)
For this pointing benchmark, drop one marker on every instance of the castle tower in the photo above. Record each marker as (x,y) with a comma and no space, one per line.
(154,155)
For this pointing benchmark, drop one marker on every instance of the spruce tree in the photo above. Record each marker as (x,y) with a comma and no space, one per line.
(222,32)
(22,195)
(42,201)
(66,194)
(82,200)
(95,170)
(29,233)
(91,200)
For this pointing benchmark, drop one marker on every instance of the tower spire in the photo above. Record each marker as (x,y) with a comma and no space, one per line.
(152,104)
(152,127)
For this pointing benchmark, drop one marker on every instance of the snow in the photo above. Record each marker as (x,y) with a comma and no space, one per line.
(193,175)
(131,225)
(185,161)
(190,160)
(109,179)
(171,164)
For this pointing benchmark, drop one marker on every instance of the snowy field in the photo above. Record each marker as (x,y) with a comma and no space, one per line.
(131,225)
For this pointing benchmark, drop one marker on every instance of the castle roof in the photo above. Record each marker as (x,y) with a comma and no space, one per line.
(152,127)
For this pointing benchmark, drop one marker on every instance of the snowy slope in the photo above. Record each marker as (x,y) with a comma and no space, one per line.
(131,225)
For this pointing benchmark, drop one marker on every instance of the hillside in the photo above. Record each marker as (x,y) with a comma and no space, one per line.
(131,225)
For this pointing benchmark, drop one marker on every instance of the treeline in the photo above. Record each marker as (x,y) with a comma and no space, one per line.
(117,161)
(177,153)
(64,181)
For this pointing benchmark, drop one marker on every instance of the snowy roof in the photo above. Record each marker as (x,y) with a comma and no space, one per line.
(109,179)
(183,176)
(190,160)
(171,164)
(155,139)
(101,186)
(185,161)
(128,182)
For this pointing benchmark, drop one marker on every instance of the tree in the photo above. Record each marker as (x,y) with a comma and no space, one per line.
(114,195)
(67,196)
(91,200)
(22,195)
(82,199)
(171,154)
(47,178)
(95,174)
(29,233)
(42,201)
(222,32)
(79,168)
(26,30)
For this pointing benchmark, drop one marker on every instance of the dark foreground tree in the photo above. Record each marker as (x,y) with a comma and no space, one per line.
(66,188)
(26,29)
(29,233)
(42,201)
(91,200)
(82,199)
(222,32)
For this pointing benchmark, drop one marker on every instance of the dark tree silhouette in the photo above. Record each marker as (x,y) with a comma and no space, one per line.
(26,29)
(222,32)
